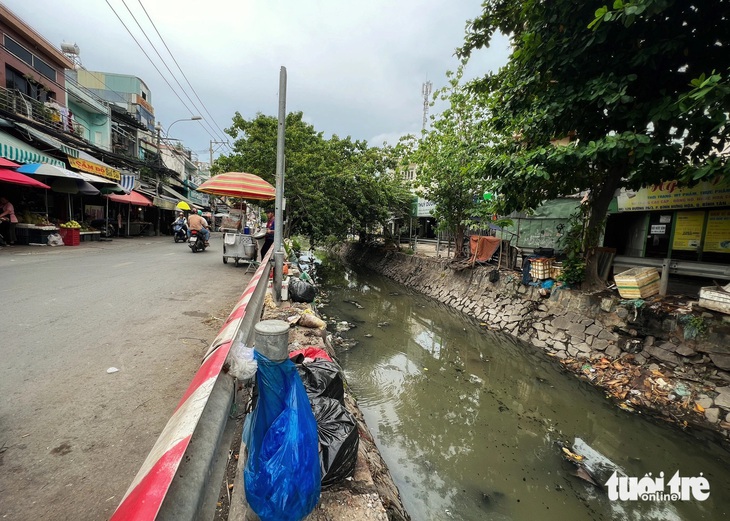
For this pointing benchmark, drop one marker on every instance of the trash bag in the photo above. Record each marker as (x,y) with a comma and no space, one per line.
(322,378)
(301,291)
(54,239)
(241,362)
(338,440)
(282,476)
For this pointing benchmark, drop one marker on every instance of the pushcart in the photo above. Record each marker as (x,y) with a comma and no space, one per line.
(239,247)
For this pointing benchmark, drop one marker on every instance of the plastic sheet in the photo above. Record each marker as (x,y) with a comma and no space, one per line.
(282,476)
(338,440)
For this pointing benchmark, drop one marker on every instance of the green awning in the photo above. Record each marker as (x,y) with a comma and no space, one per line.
(50,140)
(21,152)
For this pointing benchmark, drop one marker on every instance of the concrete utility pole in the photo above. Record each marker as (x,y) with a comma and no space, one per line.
(211,149)
(278,213)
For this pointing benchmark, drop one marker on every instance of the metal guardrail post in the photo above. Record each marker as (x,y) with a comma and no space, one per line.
(664,281)
(272,339)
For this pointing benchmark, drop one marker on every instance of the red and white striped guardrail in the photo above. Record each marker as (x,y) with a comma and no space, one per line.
(145,495)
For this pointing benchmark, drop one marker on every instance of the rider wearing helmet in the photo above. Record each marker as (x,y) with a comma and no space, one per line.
(197,222)
(181,222)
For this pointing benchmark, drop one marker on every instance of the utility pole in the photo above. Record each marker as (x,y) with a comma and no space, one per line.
(426,91)
(210,167)
(278,210)
(158,128)
(211,151)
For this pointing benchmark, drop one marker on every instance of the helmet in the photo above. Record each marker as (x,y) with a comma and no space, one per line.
(200,212)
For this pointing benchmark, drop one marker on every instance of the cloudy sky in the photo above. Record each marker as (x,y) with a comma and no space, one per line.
(354,68)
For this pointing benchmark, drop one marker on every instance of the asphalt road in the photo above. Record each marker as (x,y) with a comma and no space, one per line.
(72,435)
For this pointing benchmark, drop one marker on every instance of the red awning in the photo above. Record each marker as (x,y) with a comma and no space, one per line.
(16,178)
(133,197)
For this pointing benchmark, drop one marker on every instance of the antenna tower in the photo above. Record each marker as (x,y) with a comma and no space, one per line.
(426,91)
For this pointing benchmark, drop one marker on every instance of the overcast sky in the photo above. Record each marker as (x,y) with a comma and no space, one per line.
(354,68)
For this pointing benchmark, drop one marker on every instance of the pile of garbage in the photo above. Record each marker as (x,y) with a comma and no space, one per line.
(638,388)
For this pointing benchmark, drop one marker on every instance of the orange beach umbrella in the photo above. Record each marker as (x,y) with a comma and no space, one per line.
(239,184)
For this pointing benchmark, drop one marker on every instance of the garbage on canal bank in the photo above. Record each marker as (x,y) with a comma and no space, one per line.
(638,388)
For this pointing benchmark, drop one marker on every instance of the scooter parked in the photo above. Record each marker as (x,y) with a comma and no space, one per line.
(196,241)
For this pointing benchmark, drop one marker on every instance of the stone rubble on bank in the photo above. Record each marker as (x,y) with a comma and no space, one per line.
(684,381)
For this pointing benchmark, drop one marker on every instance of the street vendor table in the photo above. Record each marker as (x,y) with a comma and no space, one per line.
(239,247)
(137,227)
(26,233)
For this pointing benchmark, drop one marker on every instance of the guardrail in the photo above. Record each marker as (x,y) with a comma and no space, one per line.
(182,474)
(676,267)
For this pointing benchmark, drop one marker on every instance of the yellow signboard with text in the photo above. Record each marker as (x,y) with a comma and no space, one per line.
(670,196)
(95,168)
(717,237)
(688,230)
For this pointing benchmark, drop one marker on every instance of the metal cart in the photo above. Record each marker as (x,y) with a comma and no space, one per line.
(239,247)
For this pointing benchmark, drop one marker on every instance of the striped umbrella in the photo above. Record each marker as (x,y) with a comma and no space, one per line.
(239,184)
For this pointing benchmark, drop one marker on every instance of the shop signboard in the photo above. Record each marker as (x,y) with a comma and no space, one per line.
(425,208)
(717,237)
(670,196)
(688,231)
(94,168)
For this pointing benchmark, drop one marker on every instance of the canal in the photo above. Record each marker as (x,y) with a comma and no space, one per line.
(472,422)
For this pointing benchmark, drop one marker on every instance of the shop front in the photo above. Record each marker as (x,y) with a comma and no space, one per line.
(668,221)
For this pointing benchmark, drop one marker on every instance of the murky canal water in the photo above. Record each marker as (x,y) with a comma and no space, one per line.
(469,421)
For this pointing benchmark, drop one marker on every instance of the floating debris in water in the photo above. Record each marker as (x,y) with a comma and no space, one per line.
(368,335)
(356,304)
(383,324)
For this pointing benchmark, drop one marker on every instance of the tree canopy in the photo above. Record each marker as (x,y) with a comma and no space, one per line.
(333,187)
(636,92)
(449,157)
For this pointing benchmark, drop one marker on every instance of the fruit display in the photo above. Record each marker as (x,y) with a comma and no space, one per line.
(70,224)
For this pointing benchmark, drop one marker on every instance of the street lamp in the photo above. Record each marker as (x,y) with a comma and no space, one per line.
(192,118)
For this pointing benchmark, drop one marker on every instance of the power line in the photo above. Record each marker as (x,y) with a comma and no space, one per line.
(152,62)
(154,48)
(180,68)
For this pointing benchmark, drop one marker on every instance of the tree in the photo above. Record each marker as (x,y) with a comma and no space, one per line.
(449,159)
(621,94)
(332,186)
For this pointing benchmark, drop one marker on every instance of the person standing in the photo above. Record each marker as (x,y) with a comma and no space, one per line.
(7,215)
(269,239)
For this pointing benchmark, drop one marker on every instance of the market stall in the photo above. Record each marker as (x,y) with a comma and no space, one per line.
(26,233)
(239,243)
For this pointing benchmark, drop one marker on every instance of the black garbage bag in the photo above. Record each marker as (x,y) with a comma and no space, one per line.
(338,440)
(322,378)
(301,291)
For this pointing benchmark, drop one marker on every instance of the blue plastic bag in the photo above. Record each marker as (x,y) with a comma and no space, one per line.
(282,474)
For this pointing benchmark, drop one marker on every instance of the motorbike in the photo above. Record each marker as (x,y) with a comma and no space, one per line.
(179,232)
(196,241)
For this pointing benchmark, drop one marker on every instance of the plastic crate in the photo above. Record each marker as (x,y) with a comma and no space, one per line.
(70,236)
(637,283)
(541,268)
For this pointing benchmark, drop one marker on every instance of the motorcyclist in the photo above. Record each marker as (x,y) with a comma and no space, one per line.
(197,222)
(182,222)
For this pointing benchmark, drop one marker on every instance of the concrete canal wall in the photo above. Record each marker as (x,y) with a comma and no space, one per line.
(665,358)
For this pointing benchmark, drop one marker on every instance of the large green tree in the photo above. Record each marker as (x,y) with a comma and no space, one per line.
(616,82)
(449,158)
(333,186)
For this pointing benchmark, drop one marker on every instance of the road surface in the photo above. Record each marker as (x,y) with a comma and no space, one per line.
(72,434)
